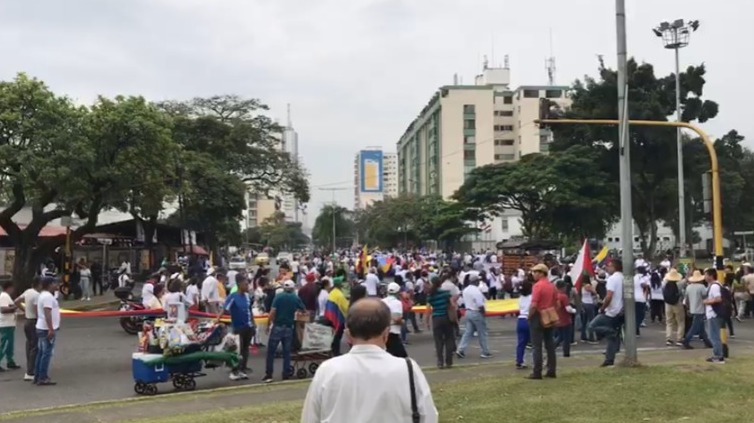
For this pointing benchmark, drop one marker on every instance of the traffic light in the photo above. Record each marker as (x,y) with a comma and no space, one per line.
(548,110)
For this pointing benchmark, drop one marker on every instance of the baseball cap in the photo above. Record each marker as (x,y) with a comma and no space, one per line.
(289,284)
(393,288)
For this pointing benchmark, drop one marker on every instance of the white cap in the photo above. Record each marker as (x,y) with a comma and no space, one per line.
(210,271)
(289,284)
(393,288)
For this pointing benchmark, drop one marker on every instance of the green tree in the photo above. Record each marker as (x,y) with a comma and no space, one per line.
(653,166)
(61,160)
(279,234)
(322,232)
(563,195)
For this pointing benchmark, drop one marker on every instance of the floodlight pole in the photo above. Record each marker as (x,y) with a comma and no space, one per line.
(624,153)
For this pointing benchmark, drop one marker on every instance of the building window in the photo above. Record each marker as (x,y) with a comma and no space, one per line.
(531,93)
(504,225)
(503,142)
(469,124)
(503,128)
(469,155)
(469,109)
(470,139)
(508,100)
(554,93)
(617,239)
(544,139)
(503,112)
(505,156)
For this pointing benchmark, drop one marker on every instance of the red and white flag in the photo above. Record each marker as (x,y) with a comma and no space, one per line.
(582,265)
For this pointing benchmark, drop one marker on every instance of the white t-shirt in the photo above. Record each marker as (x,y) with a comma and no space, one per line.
(615,284)
(448,285)
(31,297)
(473,298)
(396,310)
(47,300)
(322,302)
(639,296)
(371,283)
(7,319)
(586,296)
(209,290)
(192,294)
(712,292)
(524,302)
(656,293)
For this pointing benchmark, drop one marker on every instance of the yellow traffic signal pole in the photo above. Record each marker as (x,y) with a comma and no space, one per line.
(717,217)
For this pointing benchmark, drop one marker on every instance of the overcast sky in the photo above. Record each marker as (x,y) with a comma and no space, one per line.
(355,71)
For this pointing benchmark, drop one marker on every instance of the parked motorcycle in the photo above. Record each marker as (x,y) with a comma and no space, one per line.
(131,324)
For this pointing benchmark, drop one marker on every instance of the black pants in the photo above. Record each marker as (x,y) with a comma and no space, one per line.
(539,336)
(395,346)
(657,310)
(443,330)
(492,294)
(244,336)
(30,330)
(336,341)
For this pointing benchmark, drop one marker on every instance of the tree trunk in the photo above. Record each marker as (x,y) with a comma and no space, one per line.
(26,263)
(150,226)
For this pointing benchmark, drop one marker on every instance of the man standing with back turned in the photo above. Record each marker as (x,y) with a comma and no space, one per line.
(543,300)
(397,389)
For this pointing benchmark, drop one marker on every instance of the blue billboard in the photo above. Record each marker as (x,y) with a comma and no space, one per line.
(370,170)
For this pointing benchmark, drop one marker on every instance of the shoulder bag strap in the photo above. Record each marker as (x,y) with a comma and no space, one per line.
(415,417)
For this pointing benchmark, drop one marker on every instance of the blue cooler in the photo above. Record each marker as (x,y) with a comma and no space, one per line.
(148,373)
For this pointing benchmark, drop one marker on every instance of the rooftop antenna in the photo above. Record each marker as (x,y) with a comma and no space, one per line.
(485,63)
(455,79)
(493,50)
(507,62)
(550,64)
(290,123)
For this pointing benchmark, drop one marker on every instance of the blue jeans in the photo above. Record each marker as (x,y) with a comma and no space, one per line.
(474,323)
(284,336)
(587,315)
(641,311)
(522,330)
(45,347)
(715,325)
(564,334)
(609,328)
(697,328)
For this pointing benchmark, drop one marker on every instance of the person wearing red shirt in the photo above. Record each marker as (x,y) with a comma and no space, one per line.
(543,299)
(564,326)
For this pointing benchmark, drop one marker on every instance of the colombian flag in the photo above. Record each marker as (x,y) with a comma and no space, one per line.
(388,264)
(599,259)
(336,309)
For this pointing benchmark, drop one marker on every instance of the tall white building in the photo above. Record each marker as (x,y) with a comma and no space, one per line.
(466,126)
(375,176)
(288,204)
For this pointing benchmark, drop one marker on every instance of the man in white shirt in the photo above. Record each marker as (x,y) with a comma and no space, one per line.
(29,300)
(336,393)
(608,323)
(48,323)
(7,326)
(712,308)
(210,294)
(641,286)
(372,283)
(474,301)
(394,343)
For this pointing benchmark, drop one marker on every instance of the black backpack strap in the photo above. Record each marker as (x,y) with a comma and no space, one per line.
(415,417)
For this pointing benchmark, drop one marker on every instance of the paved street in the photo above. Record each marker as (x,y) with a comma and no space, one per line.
(92,361)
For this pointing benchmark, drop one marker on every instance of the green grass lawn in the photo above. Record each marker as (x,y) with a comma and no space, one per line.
(693,392)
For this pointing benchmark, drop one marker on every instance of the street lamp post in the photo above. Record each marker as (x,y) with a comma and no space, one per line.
(675,35)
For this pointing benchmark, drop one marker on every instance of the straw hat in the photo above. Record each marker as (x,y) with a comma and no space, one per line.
(697,276)
(540,268)
(673,276)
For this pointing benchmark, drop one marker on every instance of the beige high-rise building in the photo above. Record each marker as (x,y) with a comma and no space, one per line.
(466,126)
(375,176)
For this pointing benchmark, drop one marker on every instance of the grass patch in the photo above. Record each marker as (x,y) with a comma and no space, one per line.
(689,392)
